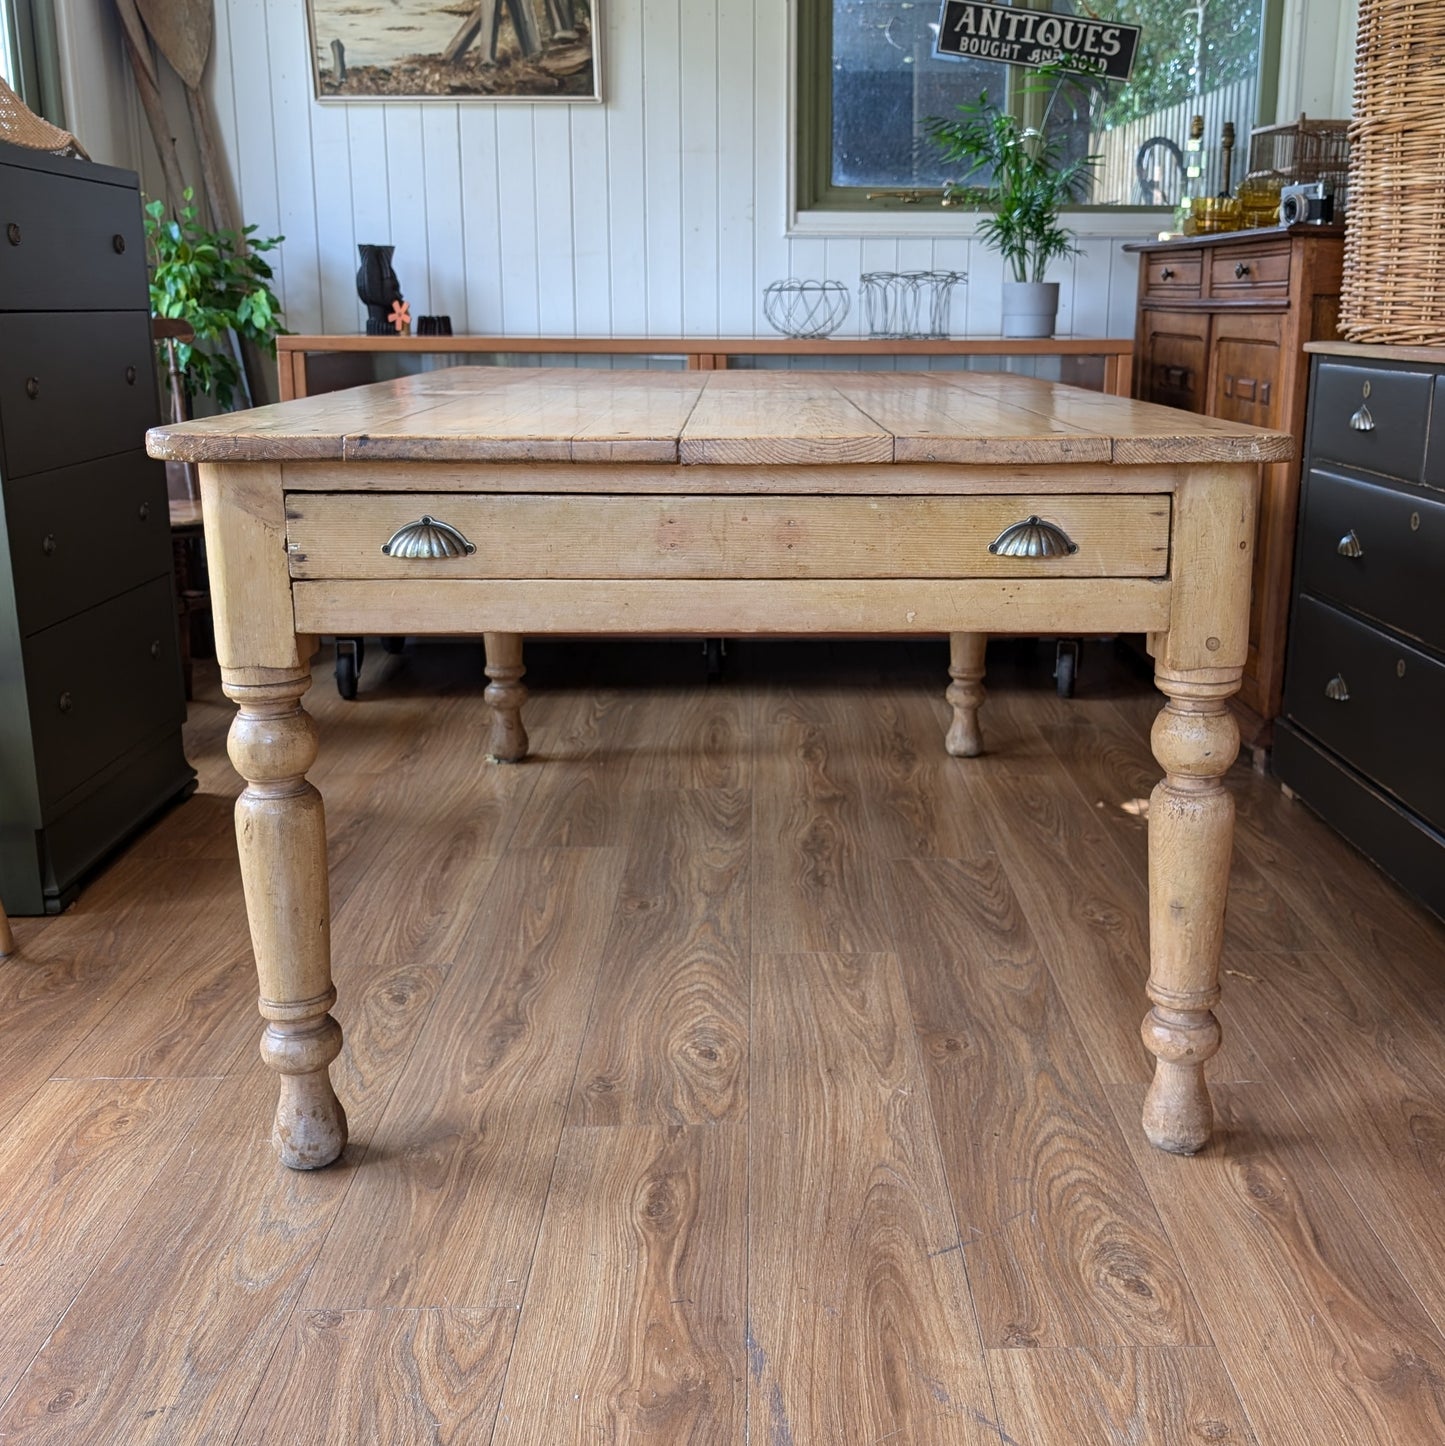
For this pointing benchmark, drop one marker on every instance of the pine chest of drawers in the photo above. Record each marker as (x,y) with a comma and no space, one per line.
(90,693)
(1364,702)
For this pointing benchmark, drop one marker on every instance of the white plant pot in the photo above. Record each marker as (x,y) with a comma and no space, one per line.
(1030,307)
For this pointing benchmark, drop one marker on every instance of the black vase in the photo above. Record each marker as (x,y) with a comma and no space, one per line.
(377,286)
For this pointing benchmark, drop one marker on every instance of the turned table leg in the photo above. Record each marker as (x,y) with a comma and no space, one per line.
(1191,831)
(505,695)
(965,693)
(281,834)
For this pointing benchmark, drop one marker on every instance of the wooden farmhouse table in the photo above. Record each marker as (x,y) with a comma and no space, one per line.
(511,502)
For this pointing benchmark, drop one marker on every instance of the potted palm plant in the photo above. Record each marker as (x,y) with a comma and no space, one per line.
(1020,176)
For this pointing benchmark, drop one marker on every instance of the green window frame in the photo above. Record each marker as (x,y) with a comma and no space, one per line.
(813,138)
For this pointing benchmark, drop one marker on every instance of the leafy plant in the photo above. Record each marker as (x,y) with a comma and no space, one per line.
(1023,179)
(219,282)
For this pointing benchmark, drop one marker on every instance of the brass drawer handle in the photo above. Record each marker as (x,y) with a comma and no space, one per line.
(65,702)
(1033,537)
(427,538)
(1349,545)
(1241,270)
(1336,691)
(12,233)
(48,544)
(1361,420)
(32,388)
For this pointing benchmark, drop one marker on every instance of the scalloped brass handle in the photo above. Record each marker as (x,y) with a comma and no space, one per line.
(427,538)
(1336,691)
(1033,537)
(1349,545)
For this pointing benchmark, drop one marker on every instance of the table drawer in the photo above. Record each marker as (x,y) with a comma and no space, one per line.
(1377,550)
(1174,276)
(1371,418)
(341,535)
(1238,274)
(1371,700)
(82,534)
(73,386)
(68,243)
(100,682)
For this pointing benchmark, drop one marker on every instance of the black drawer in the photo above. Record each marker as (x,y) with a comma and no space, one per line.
(82,534)
(1371,418)
(1375,702)
(74,385)
(1435,448)
(1377,549)
(100,683)
(69,244)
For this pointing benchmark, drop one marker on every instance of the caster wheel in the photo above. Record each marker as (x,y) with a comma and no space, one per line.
(1066,665)
(349,655)
(713,654)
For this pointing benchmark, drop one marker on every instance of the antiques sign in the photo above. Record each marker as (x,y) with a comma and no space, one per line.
(1017,36)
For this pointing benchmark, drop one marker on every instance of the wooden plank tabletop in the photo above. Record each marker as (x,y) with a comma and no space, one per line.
(745,418)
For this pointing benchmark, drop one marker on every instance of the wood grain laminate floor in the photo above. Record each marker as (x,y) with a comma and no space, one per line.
(740,1068)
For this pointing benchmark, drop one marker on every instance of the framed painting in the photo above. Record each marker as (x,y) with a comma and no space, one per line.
(455,49)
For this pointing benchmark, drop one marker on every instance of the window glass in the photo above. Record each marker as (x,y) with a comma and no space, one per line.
(877,80)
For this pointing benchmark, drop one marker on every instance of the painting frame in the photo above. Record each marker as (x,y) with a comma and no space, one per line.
(532,51)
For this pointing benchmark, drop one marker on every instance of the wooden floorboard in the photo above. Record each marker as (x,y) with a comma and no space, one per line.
(739,1068)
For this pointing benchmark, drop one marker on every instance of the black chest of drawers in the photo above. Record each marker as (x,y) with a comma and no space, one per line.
(91,705)
(1362,739)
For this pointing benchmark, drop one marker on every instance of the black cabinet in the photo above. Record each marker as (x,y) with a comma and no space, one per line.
(1364,700)
(90,688)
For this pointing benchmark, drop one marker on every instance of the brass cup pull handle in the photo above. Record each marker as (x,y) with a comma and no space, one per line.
(1336,691)
(1033,537)
(1349,545)
(427,538)
(1362,421)
(1241,270)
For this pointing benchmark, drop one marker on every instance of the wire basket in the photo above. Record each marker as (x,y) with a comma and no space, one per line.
(907,305)
(1305,150)
(805,308)
(1393,290)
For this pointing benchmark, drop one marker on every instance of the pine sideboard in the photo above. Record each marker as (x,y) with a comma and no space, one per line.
(1222,326)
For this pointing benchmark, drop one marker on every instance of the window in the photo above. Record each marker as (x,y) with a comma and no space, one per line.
(868,79)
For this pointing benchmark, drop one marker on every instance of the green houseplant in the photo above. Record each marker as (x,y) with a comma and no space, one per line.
(220,283)
(1018,174)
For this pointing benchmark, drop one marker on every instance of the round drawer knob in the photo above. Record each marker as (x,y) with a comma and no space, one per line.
(118,241)
(65,703)
(130,375)
(1167,274)
(32,388)
(48,544)
(12,233)
(143,511)
(1241,270)
(156,648)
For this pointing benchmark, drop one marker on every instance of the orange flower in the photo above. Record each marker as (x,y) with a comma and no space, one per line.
(400,316)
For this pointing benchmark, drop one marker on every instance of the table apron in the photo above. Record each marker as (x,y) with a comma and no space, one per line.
(735,607)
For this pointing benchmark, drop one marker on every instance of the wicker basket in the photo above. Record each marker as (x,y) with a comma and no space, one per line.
(1305,150)
(1394,276)
(22,127)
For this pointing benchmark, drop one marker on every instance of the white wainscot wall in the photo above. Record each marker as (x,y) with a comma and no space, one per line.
(662,212)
